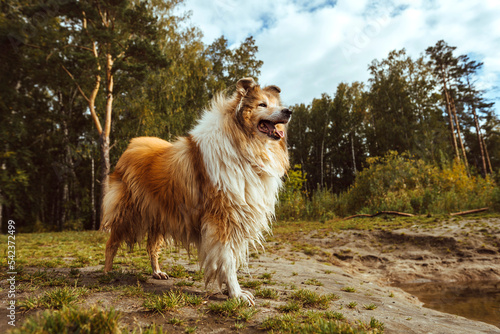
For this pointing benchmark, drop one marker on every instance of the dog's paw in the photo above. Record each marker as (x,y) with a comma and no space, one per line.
(160,275)
(247,297)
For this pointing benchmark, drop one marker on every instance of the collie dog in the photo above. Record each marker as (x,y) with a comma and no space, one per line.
(215,189)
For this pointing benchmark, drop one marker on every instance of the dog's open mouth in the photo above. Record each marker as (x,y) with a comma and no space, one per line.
(269,128)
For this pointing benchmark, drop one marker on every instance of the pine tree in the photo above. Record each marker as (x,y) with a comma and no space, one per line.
(444,64)
(473,98)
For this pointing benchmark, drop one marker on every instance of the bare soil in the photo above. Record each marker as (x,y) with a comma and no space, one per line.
(369,262)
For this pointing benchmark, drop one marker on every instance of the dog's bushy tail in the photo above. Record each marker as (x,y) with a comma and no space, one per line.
(111,204)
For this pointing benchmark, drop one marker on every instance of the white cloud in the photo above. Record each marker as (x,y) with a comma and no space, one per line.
(310,47)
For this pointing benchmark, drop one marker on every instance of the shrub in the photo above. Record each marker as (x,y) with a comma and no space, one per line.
(403,183)
(394,182)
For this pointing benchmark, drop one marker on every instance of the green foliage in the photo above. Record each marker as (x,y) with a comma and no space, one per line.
(403,183)
(70,320)
(292,195)
(163,77)
(398,182)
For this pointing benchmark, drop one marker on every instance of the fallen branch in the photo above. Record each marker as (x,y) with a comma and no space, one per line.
(463,213)
(396,213)
(404,214)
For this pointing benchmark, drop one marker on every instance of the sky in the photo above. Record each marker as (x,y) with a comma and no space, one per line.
(309,47)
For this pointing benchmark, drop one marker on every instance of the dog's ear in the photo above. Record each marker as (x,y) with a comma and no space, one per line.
(244,85)
(273,89)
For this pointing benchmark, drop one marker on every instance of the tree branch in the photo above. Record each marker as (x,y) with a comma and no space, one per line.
(90,100)
(76,83)
(463,213)
(382,213)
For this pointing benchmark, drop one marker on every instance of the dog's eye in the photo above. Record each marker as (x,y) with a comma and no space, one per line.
(263,105)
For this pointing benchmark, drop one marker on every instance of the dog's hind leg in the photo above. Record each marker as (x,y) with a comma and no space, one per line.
(155,241)
(111,250)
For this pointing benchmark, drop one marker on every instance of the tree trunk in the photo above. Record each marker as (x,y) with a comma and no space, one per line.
(459,135)
(92,195)
(353,155)
(480,141)
(448,109)
(1,195)
(1,210)
(105,166)
(104,140)
(487,155)
(322,156)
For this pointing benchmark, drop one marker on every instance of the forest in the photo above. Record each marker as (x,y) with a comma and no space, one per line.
(81,78)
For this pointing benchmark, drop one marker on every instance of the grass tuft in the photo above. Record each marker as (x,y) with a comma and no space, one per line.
(352,305)
(251,284)
(233,308)
(71,320)
(267,293)
(170,301)
(374,323)
(313,281)
(370,306)
(291,306)
(55,299)
(348,289)
(178,271)
(312,299)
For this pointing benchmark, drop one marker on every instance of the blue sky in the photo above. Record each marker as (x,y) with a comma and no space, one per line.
(309,47)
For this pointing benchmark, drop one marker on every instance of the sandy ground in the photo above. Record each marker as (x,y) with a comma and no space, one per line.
(370,262)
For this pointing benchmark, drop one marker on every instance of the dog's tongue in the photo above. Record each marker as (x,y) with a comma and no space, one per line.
(269,128)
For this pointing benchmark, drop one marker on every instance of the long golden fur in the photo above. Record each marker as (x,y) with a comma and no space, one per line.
(215,188)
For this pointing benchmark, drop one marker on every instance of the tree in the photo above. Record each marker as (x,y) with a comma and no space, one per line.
(402,110)
(228,66)
(109,41)
(444,65)
(473,98)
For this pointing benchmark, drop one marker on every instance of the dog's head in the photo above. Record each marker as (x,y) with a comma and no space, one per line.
(259,111)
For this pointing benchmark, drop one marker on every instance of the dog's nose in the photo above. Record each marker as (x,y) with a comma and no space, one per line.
(287,112)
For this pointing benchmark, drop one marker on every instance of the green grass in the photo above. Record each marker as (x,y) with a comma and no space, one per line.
(55,299)
(370,306)
(313,281)
(153,329)
(374,323)
(191,329)
(184,283)
(334,315)
(266,276)
(291,306)
(348,289)
(267,293)
(178,271)
(352,305)
(233,308)
(251,284)
(71,320)
(170,301)
(311,299)
(176,321)
(310,323)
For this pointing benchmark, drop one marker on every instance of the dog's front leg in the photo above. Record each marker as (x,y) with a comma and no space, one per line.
(221,261)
